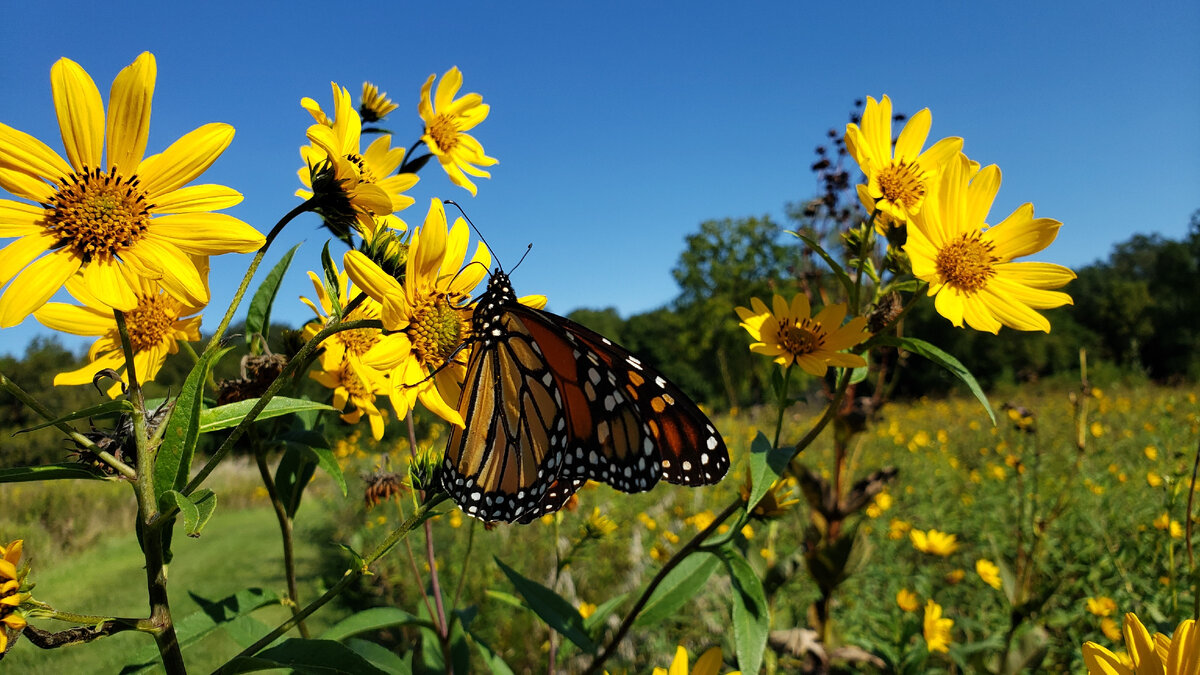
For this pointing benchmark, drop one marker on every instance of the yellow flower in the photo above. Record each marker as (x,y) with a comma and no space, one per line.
(598,525)
(792,335)
(934,542)
(1101,605)
(342,367)
(899,180)
(646,521)
(777,500)
(709,663)
(586,609)
(970,266)
(937,629)
(1110,629)
(1153,479)
(105,216)
(1151,452)
(897,528)
(881,503)
(1176,530)
(365,178)
(375,104)
(446,122)
(1176,655)
(10,595)
(1163,521)
(156,326)
(989,572)
(429,311)
(953,577)
(907,600)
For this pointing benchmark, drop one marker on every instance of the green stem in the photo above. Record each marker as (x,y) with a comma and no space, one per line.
(868,229)
(35,405)
(462,579)
(285,530)
(215,340)
(301,358)
(783,403)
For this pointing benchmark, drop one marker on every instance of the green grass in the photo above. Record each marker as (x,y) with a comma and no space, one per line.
(238,549)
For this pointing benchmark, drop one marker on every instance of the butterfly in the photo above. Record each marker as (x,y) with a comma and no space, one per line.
(548,405)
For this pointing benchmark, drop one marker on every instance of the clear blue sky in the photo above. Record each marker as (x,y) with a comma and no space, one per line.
(621,126)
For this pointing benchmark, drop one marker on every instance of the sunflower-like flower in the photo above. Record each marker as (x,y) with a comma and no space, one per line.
(364,179)
(156,325)
(446,122)
(989,572)
(105,216)
(709,663)
(937,628)
(776,501)
(969,265)
(342,369)
(11,596)
(375,104)
(1175,655)
(934,542)
(898,178)
(907,601)
(792,335)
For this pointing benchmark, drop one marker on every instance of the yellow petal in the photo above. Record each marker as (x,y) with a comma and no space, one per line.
(18,254)
(370,277)
(25,153)
(679,665)
(105,282)
(177,272)
(709,662)
(35,285)
(981,192)
(184,160)
(206,233)
(18,219)
(1021,234)
(25,186)
(447,88)
(197,198)
(912,137)
(129,114)
(80,113)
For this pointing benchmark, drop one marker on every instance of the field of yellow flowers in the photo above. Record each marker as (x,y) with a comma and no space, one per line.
(1031,537)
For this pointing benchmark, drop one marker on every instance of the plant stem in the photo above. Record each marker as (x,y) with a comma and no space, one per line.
(434,583)
(285,530)
(783,403)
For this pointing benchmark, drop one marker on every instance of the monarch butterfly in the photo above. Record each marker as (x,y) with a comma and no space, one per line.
(548,405)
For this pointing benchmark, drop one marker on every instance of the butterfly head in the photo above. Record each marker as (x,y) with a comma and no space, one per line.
(485,322)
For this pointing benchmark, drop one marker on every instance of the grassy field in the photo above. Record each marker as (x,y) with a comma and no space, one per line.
(1086,524)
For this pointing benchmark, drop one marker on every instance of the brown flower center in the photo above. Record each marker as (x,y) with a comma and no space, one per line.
(444,132)
(968,263)
(97,215)
(800,339)
(359,340)
(436,330)
(364,171)
(353,384)
(149,323)
(902,183)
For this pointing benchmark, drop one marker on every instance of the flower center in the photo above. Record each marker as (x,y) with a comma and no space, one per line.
(359,340)
(968,263)
(444,132)
(902,183)
(800,339)
(353,385)
(97,215)
(364,172)
(437,329)
(149,323)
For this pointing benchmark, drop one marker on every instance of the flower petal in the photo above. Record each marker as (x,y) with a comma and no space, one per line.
(80,113)
(105,282)
(206,233)
(912,137)
(177,271)
(18,219)
(25,185)
(27,154)
(35,285)
(18,254)
(184,160)
(197,198)
(129,114)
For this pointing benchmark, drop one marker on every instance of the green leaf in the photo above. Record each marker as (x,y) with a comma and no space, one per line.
(507,598)
(951,364)
(206,502)
(840,273)
(174,459)
(64,471)
(319,445)
(602,611)
(333,286)
(295,470)
(767,464)
(106,408)
(175,499)
(258,316)
(491,659)
(371,619)
(231,414)
(551,607)
(381,657)
(751,616)
(306,656)
(678,587)
(859,374)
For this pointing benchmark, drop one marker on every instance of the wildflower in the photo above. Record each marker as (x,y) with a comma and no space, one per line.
(709,663)
(1175,530)
(103,220)
(646,521)
(1096,429)
(446,122)
(375,104)
(1163,521)
(598,525)
(989,572)
(1101,605)
(586,609)
(881,503)
(898,179)
(1151,452)
(382,486)
(934,542)
(1153,479)
(156,324)
(10,595)
(1110,629)
(429,310)
(792,335)
(362,182)
(907,600)
(955,576)
(937,629)
(1175,655)
(897,528)
(777,500)
(970,266)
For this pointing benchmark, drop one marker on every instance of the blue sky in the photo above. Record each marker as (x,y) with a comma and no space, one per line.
(621,126)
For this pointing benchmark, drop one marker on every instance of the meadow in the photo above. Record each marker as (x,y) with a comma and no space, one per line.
(1097,515)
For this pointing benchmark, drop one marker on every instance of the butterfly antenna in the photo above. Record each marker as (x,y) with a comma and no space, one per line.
(527,250)
(481,237)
